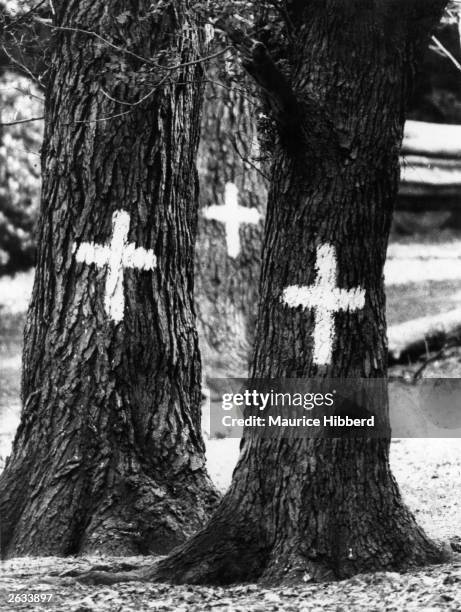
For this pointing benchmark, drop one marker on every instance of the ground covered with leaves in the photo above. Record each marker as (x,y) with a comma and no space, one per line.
(435,588)
(429,473)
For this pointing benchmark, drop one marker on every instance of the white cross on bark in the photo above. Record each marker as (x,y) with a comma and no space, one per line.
(232,215)
(117,255)
(325,298)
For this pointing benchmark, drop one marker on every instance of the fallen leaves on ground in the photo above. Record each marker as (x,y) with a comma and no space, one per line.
(427,589)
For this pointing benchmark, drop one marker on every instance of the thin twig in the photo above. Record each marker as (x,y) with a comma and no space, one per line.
(108,118)
(148,94)
(25,92)
(201,60)
(246,160)
(24,150)
(22,66)
(242,92)
(446,52)
(102,39)
(109,97)
(24,16)
(8,123)
(135,55)
(429,360)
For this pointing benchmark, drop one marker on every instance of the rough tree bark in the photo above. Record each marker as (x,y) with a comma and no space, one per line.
(226,292)
(109,454)
(309,509)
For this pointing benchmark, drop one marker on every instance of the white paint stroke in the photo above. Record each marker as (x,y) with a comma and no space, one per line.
(232,216)
(117,255)
(326,299)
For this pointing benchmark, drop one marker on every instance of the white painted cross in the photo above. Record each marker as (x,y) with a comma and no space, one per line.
(117,255)
(326,299)
(232,215)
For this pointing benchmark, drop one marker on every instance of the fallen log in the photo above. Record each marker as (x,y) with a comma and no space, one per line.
(426,177)
(437,140)
(425,251)
(420,262)
(410,340)
(430,166)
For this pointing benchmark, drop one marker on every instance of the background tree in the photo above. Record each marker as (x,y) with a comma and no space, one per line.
(19,172)
(23,62)
(336,77)
(109,455)
(228,258)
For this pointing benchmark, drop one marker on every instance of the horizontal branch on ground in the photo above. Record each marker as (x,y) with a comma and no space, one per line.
(412,339)
(432,140)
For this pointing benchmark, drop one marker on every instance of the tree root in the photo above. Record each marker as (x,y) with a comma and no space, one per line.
(95,577)
(226,563)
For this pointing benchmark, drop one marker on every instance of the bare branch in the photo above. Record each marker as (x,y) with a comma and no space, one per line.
(23,16)
(446,52)
(47,23)
(428,360)
(28,93)
(4,124)
(145,60)
(22,66)
(142,99)
(246,160)
(258,63)
(200,60)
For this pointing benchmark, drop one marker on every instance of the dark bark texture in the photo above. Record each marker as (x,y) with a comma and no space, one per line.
(227,286)
(109,455)
(313,509)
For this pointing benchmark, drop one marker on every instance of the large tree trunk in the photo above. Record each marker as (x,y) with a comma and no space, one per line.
(228,267)
(109,454)
(303,508)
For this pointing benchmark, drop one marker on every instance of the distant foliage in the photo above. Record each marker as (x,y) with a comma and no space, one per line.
(19,172)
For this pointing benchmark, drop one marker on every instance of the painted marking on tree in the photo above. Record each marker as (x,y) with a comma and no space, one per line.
(325,298)
(117,255)
(232,215)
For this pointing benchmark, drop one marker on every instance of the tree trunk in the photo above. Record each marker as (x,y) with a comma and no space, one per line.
(227,273)
(109,455)
(304,509)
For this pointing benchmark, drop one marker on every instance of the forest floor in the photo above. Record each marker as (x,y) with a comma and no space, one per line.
(427,470)
(427,590)
(429,474)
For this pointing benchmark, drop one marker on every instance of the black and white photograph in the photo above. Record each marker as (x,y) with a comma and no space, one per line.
(230,305)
